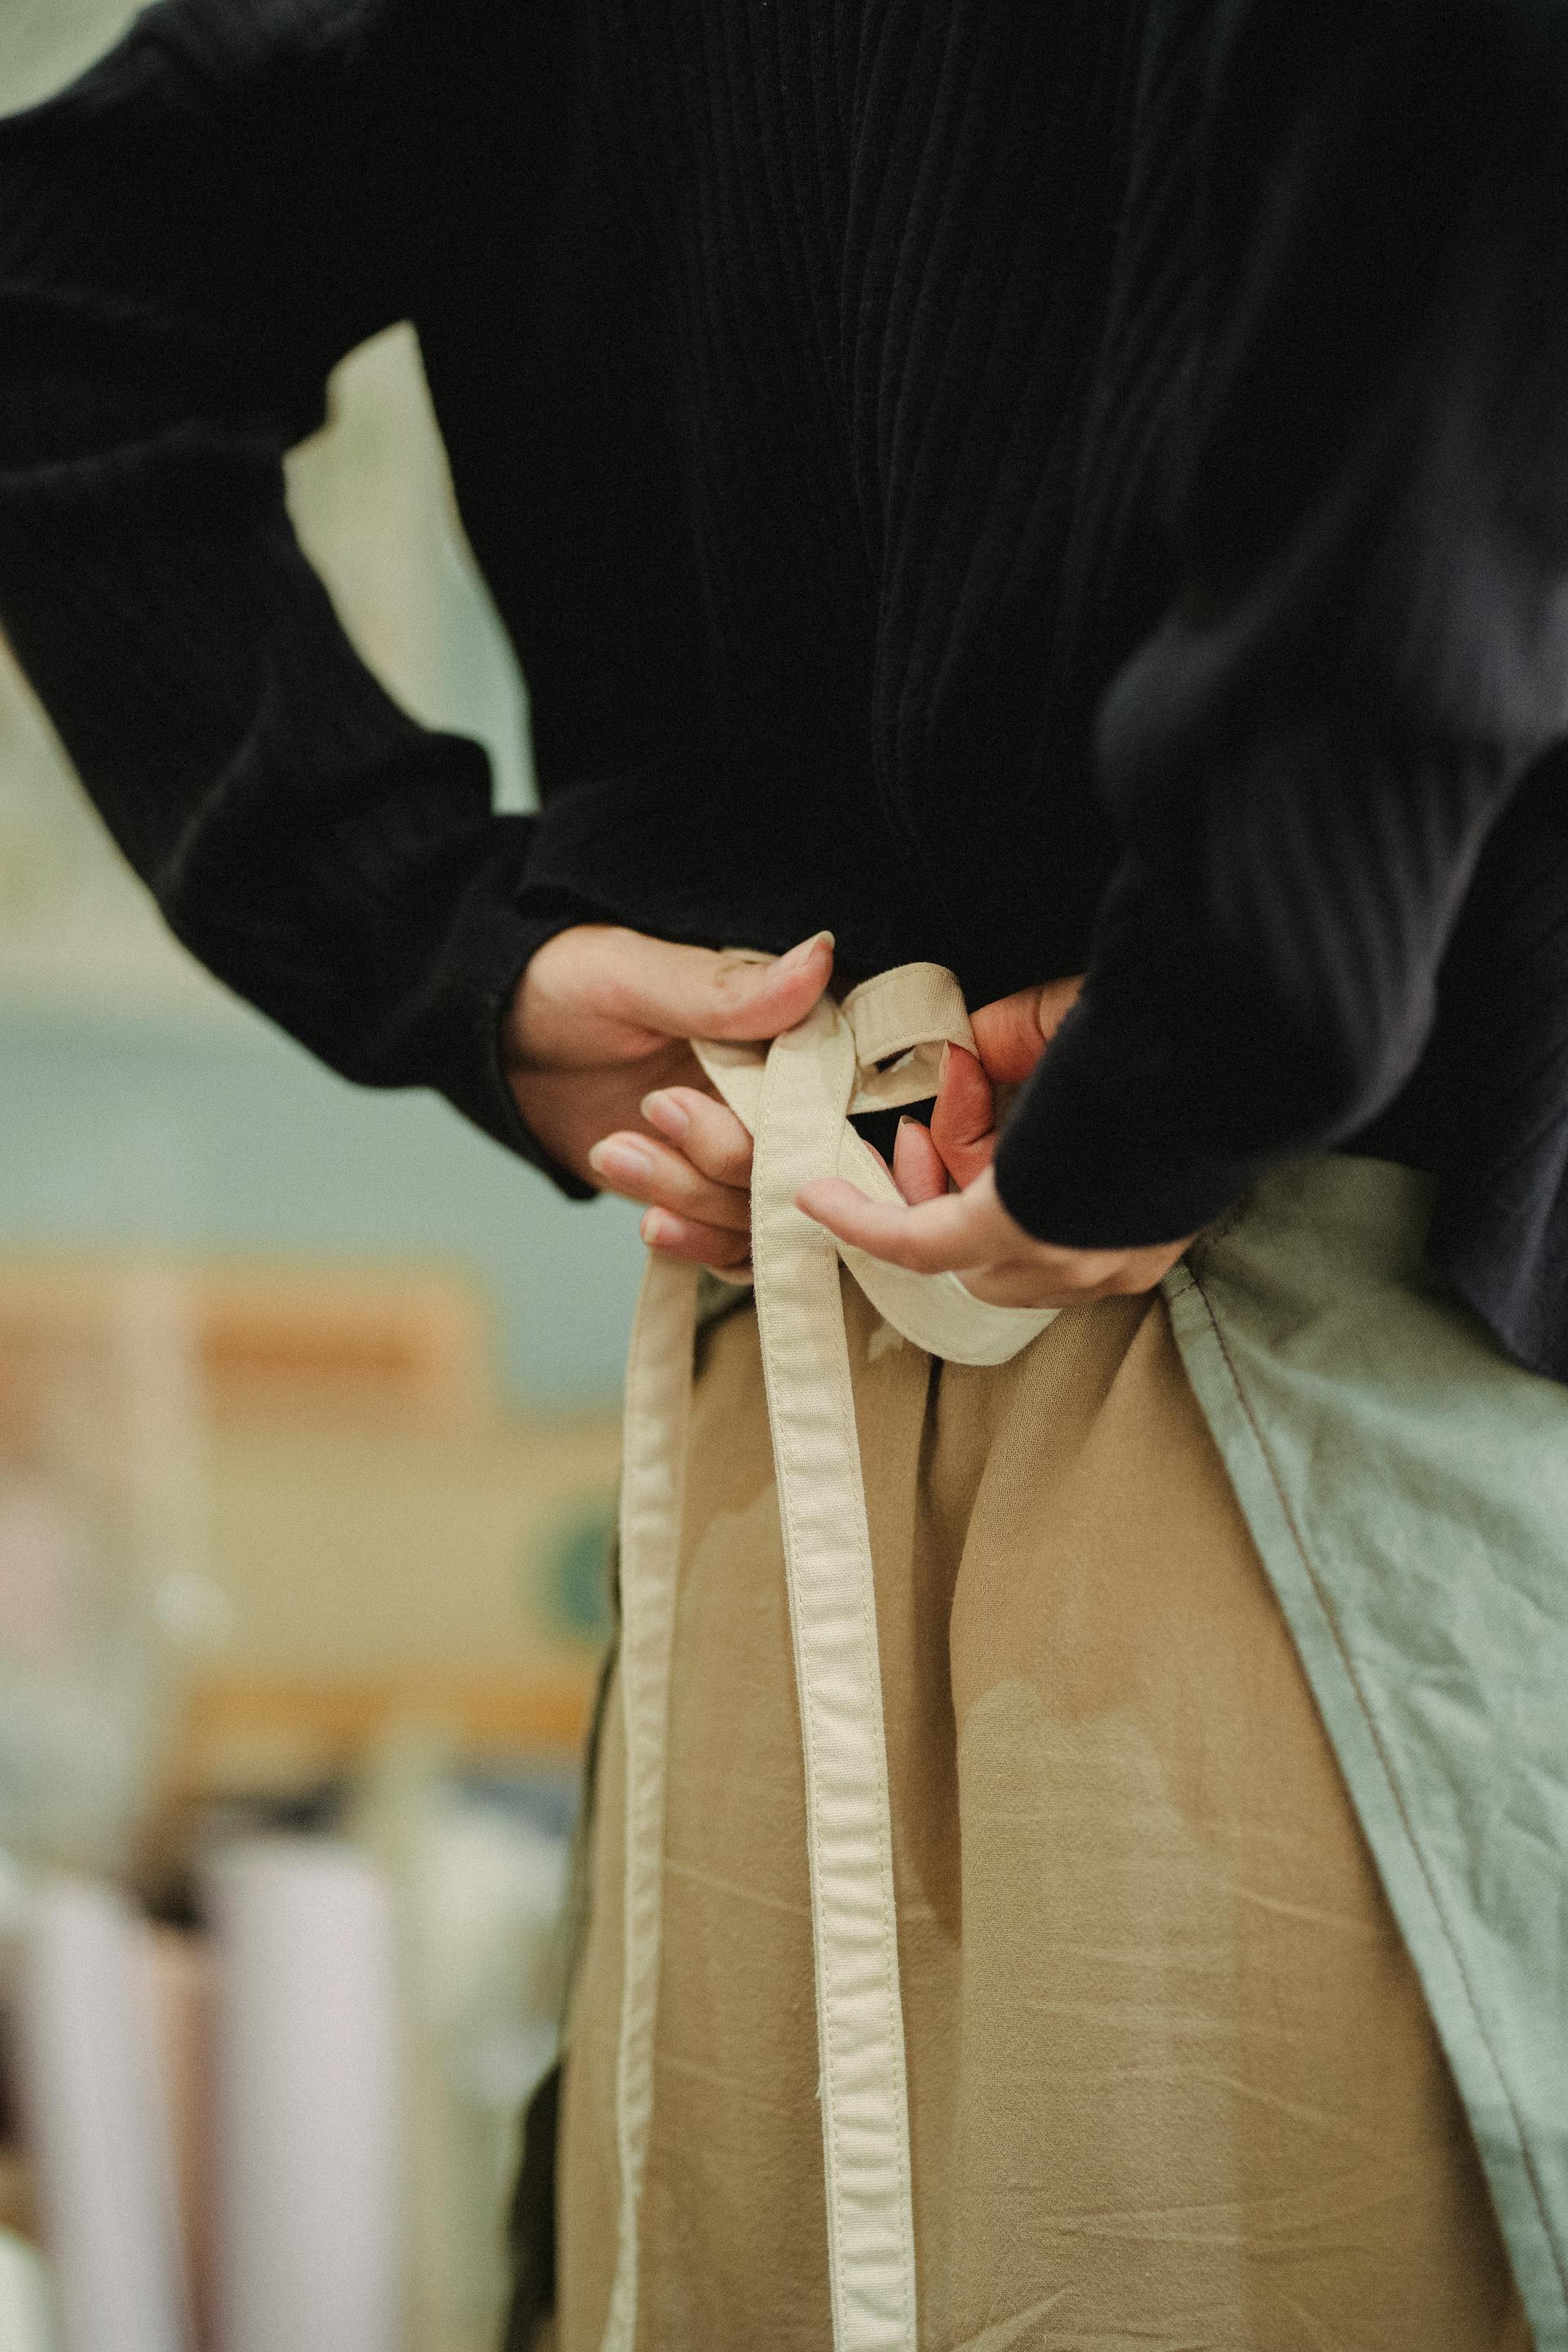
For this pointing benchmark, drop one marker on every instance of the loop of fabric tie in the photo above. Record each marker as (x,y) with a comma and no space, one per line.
(877,1050)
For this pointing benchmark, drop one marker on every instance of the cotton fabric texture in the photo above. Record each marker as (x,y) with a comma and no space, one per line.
(1181,2069)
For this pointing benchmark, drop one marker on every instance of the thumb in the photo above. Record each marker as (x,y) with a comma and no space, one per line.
(681,992)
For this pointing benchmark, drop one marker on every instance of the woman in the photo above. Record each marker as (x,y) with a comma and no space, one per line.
(1030,490)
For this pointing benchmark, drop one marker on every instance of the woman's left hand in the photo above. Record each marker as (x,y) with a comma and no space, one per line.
(968,1231)
(969,1234)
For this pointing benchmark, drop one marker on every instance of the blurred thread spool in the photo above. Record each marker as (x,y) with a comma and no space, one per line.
(96,2125)
(307,2060)
(27,2315)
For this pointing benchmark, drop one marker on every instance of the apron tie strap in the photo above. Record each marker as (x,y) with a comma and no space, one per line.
(877,1050)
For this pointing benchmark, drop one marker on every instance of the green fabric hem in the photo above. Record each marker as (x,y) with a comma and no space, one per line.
(1411,1882)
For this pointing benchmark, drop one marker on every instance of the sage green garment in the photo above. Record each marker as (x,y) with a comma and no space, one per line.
(1407,1488)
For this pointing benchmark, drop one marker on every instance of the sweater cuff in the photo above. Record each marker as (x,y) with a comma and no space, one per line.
(1086,1162)
(497,950)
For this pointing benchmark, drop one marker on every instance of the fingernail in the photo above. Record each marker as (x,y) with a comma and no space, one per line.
(622,1162)
(668,1114)
(807,950)
(654,1229)
(943,1066)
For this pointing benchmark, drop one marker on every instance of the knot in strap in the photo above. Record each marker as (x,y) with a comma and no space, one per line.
(876,1050)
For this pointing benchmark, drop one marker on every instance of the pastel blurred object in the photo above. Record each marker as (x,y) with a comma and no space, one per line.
(75,1695)
(478,1887)
(26,2310)
(98,2130)
(306,2070)
(102,1520)
(180,1978)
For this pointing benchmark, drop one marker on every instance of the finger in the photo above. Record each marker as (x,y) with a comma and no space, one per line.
(964,1122)
(1011,1035)
(918,1170)
(1056,1000)
(1007,1036)
(641,1168)
(679,991)
(1074,1277)
(698,1245)
(707,1131)
(945,1236)
(1025,1285)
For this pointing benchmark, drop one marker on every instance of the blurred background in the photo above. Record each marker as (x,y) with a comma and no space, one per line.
(308,1460)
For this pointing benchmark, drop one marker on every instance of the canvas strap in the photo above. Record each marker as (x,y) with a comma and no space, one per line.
(876,1050)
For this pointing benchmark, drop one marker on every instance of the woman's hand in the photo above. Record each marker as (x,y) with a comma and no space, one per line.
(969,1234)
(968,1231)
(597,1057)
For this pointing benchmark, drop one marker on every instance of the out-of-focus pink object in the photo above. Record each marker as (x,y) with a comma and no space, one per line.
(182,1978)
(307,2063)
(97,2125)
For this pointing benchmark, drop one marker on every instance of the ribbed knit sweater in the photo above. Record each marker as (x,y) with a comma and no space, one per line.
(1037,485)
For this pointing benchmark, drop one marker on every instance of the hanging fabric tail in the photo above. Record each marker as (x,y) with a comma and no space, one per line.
(876,1050)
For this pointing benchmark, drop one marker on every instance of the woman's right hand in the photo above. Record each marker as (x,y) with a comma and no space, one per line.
(598,1057)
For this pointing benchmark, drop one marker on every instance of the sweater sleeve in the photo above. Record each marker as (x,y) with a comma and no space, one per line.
(191,237)
(1368,480)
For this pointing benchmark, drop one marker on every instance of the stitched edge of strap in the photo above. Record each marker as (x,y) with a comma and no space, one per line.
(827,1552)
(657,1423)
(913,1004)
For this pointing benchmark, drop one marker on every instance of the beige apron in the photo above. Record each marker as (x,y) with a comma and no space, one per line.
(1093,1889)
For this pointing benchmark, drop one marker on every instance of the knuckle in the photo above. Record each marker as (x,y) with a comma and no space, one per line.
(725,1251)
(733,980)
(704,1203)
(735,1160)
(715,1201)
(722,1149)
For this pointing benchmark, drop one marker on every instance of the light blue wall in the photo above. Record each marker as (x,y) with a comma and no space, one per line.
(226,1138)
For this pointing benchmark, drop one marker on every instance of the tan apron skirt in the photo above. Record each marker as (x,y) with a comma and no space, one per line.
(984,1947)
(1172,2078)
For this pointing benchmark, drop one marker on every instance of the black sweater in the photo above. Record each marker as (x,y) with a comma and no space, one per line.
(1031,484)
